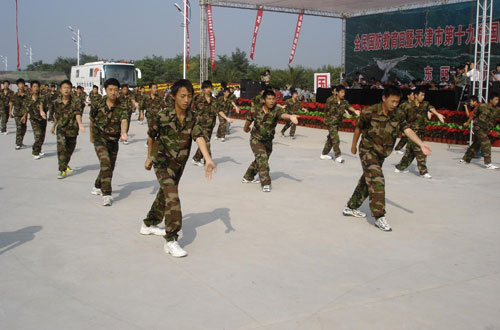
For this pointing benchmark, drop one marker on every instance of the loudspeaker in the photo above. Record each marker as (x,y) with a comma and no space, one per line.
(322,94)
(249,89)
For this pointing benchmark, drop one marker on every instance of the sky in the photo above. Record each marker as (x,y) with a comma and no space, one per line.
(133,29)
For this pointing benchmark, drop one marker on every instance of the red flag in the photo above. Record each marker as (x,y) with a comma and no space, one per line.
(188,43)
(17,38)
(258,20)
(296,37)
(211,36)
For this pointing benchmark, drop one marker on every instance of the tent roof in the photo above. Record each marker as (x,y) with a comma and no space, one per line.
(333,8)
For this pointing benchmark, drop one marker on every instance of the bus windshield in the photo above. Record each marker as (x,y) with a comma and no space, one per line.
(124,73)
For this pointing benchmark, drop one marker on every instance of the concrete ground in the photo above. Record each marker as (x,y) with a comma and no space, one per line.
(277,261)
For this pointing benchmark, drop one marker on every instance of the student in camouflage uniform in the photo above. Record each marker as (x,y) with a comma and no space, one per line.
(257,101)
(5,97)
(335,107)
(94,97)
(19,113)
(224,106)
(108,124)
(293,106)
(170,136)
(139,97)
(81,97)
(128,104)
(264,122)
(416,117)
(380,125)
(485,118)
(152,103)
(37,117)
(461,81)
(205,108)
(68,120)
(405,108)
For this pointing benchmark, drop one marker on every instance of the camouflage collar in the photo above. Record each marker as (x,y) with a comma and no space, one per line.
(60,100)
(172,115)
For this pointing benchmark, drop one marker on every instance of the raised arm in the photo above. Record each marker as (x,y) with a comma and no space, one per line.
(413,136)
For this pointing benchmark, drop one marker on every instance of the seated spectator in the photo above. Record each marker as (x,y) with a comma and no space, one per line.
(432,86)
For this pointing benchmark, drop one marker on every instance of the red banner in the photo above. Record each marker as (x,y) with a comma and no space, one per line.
(17,38)
(258,20)
(211,36)
(188,43)
(296,37)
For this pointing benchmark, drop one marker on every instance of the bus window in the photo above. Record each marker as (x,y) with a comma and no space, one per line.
(90,72)
(77,73)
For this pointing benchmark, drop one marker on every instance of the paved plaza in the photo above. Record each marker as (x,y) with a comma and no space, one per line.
(282,260)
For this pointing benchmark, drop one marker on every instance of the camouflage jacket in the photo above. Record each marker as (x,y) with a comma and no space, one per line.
(32,107)
(224,105)
(127,103)
(94,99)
(334,110)
(292,107)
(18,103)
(416,116)
(257,101)
(138,98)
(485,117)
(174,138)
(5,98)
(152,106)
(380,131)
(264,124)
(206,112)
(49,100)
(81,99)
(107,122)
(65,115)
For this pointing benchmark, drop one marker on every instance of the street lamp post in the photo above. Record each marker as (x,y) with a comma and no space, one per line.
(184,24)
(77,39)
(29,53)
(5,61)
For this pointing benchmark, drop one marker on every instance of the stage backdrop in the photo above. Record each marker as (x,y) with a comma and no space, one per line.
(422,43)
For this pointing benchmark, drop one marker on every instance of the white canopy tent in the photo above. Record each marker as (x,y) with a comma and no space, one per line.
(343,9)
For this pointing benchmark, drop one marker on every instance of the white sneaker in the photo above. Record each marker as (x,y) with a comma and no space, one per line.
(339,159)
(125,142)
(401,152)
(174,249)
(36,157)
(491,167)
(396,170)
(18,147)
(141,122)
(325,157)
(426,176)
(96,191)
(248,181)
(382,224)
(5,133)
(222,139)
(462,161)
(151,230)
(194,162)
(266,188)
(353,212)
(146,145)
(41,154)
(107,200)
(293,137)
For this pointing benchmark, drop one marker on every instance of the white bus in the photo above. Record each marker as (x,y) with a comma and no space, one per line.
(96,73)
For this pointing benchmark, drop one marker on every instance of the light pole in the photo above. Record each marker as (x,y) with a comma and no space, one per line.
(184,24)
(29,53)
(78,41)
(5,61)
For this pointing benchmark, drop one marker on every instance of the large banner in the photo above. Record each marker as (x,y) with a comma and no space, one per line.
(423,44)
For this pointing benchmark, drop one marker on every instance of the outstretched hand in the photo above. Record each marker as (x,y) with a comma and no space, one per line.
(426,150)
(209,168)
(441,117)
(148,164)
(294,119)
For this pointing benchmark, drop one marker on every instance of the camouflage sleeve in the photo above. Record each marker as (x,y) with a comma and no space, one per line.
(197,132)
(403,124)
(363,121)
(123,115)
(477,112)
(251,115)
(153,129)
(92,113)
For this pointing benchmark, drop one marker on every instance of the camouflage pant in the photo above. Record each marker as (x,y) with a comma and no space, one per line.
(207,135)
(129,118)
(221,132)
(262,151)
(292,127)
(167,203)
(371,184)
(332,140)
(107,151)
(414,151)
(51,114)
(4,117)
(65,148)
(39,128)
(481,141)
(402,142)
(20,131)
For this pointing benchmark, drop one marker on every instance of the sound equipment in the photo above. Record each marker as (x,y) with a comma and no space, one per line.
(322,94)
(249,89)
